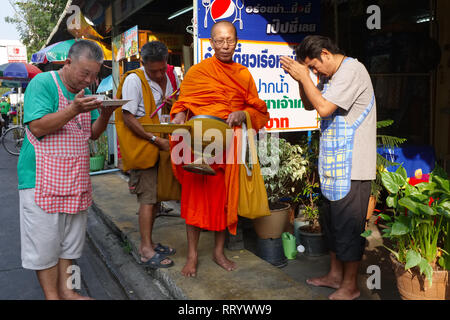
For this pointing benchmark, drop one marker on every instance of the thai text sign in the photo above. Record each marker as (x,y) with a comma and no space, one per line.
(17,53)
(266,30)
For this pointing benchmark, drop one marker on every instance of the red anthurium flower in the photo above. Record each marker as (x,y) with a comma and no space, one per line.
(378,219)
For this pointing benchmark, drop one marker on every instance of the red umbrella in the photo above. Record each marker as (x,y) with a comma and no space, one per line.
(18,70)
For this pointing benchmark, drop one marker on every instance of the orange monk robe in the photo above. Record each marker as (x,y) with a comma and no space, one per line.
(217,89)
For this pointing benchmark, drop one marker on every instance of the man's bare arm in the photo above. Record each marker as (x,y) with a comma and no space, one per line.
(306,103)
(54,121)
(135,126)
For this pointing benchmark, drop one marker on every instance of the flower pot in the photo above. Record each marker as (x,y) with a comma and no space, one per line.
(314,243)
(414,286)
(97,163)
(299,222)
(271,227)
(271,250)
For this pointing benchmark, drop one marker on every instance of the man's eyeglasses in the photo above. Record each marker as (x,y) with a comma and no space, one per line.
(222,42)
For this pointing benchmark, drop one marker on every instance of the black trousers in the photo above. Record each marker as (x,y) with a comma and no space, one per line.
(344,220)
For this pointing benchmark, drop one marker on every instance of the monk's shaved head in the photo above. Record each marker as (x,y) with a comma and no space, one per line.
(223,24)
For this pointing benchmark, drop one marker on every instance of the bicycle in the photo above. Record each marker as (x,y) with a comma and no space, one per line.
(12,139)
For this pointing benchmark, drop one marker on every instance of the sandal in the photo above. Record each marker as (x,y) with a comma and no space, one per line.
(164,250)
(155,262)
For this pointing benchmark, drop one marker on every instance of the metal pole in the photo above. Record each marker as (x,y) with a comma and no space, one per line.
(115,71)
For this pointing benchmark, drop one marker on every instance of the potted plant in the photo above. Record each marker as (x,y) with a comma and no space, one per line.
(288,166)
(309,232)
(98,150)
(419,232)
(282,180)
(385,142)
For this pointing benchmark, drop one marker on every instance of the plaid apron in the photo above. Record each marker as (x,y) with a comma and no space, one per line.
(62,164)
(336,150)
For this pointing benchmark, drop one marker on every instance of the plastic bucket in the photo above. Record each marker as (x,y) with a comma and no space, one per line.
(96,163)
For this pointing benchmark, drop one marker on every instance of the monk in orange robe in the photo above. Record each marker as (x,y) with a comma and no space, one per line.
(222,88)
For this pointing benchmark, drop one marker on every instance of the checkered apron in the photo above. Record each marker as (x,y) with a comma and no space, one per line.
(62,164)
(336,150)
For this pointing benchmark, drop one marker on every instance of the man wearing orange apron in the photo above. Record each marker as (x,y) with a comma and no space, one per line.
(147,88)
(345,101)
(53,169)
(221,88)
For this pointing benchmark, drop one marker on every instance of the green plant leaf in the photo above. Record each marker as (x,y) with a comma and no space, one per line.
(413,258)
(442,183)
(402,171)
(426,269)
(444,262)
(399,229)
(423,186)
(385,217)
(391,201)
(366,233)
(425,209)
(409,203)
(411,190)
(392,181)
(444,210)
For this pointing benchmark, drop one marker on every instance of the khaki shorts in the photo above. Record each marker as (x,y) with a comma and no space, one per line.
(48,237)
(143,183)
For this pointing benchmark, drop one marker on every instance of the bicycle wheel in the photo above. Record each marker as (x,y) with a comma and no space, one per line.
(12,140)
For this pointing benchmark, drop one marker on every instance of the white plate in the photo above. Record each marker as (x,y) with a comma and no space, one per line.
(114,102)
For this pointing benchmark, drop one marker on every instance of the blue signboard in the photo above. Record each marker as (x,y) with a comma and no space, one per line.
(262,20)
(267,30)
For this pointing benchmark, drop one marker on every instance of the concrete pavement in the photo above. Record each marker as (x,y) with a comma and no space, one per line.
(254,279)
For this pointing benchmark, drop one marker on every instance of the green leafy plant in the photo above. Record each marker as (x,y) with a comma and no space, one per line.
(99,147)
(387,142)
(419,227)
(288,166)
(309,195)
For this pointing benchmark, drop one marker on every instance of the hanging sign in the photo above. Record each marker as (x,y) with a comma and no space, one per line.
(266,30)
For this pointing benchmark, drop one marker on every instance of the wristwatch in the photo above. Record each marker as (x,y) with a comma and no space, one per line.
(153,139)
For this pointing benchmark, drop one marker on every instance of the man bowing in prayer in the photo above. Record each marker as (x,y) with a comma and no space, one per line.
(222,88)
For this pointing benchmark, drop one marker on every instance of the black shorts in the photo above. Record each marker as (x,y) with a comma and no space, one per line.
(344,220)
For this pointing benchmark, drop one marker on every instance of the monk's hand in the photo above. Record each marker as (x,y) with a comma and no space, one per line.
(179,118)
(83,104)
(236,118)
(296,70)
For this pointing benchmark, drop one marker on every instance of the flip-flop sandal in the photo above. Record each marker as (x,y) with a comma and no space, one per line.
(164,250)
(155,262)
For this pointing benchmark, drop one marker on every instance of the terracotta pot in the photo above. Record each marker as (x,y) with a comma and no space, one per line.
(371,207)
(271,227)
(413,286)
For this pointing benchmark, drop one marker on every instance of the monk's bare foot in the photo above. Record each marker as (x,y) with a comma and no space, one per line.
(325,281)
(190,268)
(72,295)
(345,294)
(222,261)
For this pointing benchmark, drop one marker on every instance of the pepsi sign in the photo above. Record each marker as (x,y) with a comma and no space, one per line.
(263,20)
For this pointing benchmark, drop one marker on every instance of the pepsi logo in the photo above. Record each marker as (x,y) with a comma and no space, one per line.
(222,9)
